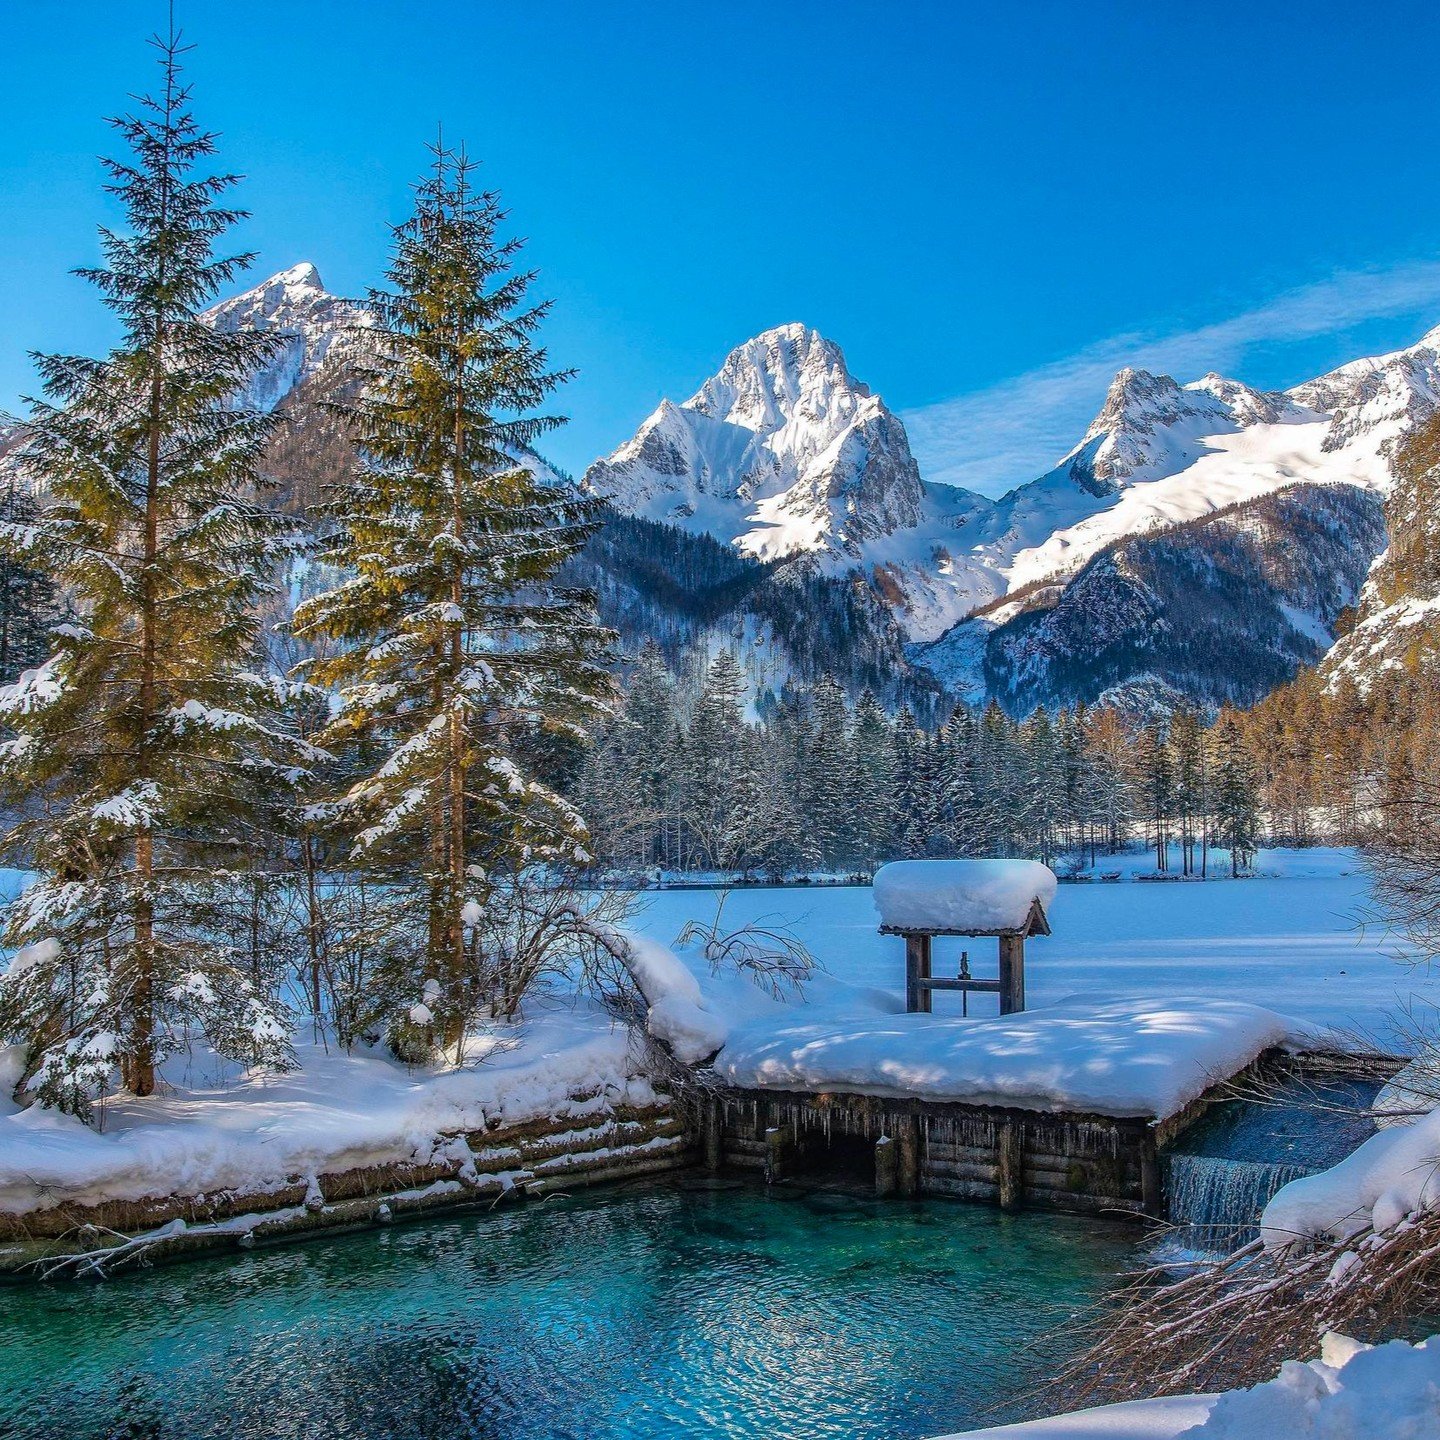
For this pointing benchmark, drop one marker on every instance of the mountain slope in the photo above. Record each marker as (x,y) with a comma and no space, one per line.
(1220,609)
(845,558)
(1160,456)
(1395,638)
(654,581)
(785,455)
(320,330)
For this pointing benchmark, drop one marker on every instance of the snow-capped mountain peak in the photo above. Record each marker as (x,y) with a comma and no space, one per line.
(319,326)
(1137,429)
(782,451)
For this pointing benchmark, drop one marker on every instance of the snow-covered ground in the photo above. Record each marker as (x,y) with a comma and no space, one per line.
(1128,1056)
(1351,1392)
(205,1133)
(1139,995)
(1290,939)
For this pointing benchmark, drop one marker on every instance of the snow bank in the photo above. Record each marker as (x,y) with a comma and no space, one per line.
(678,1014)
(337,1112)
(981,895)
(1164,1418)
(1393,1174)
(1134,1056)
(1409,1093)
(1352,1392)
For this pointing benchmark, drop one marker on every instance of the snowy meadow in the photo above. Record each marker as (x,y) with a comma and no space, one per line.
(1301,936)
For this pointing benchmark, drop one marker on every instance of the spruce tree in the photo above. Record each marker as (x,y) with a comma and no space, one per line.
(872,782)
(1237,808)
(720,781)
(146,746)
(456,648)
(825,799)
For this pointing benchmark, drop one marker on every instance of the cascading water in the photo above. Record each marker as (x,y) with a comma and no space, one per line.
(1218,1200)
(1225,1169)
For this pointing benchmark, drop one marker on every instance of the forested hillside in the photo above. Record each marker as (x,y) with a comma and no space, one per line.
(1215,611)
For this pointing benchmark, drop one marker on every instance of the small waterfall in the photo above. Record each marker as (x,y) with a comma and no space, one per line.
(1219,1200)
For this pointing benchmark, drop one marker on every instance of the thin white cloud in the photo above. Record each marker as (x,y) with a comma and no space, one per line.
(1010,432)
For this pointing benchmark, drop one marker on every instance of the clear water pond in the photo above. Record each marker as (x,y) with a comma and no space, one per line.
(718,1311)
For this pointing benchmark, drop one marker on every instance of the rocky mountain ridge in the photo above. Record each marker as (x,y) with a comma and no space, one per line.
(787,459)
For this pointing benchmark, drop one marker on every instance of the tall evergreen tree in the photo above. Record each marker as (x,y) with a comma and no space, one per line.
(872,782)
(824,797)
(456,646)
(1237,808)
(148,742)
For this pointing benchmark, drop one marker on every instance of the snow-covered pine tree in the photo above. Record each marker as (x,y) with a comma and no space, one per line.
(825,798)
(1155,780)
(958,824)
(147,748)
(914,793)
(653,747)
(1043,793)
(456,647)
(29,606)
(719,780)
(1187,745)
(872,782)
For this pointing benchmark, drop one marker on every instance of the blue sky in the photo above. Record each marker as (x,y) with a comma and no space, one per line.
(989,207)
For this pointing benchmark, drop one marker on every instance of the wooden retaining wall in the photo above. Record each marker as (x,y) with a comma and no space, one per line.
(1000,1155)
(476,1167)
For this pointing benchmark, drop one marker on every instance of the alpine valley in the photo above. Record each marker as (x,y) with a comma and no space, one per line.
(1202,541)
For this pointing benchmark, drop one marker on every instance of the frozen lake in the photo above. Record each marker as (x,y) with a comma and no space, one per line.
(1302,939)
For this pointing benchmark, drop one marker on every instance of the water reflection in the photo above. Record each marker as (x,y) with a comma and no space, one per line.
(691,1309)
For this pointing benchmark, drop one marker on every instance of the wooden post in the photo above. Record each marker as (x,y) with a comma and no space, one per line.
(1012,974)
(917,967)
(887,1154)
(907,1162)
(777,1153)
(1010,1166)
(713,1136)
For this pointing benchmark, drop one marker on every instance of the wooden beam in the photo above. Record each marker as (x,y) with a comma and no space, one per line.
(887,1156)
(992,986)
(714,1135)
(907,1168)
(778,1152)
(1012,974)
(1151,1195)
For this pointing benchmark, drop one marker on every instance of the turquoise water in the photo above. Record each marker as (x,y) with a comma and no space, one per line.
(689,1309)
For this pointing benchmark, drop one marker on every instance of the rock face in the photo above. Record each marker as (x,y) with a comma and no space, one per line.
(1220,610)
(783,448)
(1182,510)
(320,330)
(1395,637)
(1185,511)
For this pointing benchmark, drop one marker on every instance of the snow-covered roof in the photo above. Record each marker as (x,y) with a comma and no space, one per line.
(974,897)
(1123,1056)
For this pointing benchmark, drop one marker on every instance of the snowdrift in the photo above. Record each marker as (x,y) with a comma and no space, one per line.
(1129,1056)
(1352,1392)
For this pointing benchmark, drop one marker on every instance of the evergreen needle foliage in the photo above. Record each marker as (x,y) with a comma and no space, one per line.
(149,743)
(455,655)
